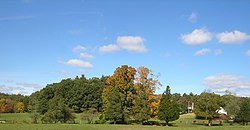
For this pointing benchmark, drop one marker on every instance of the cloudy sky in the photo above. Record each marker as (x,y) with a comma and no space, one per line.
(195,45)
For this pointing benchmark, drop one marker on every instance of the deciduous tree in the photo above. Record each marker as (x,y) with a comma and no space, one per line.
(243,114)
(6,105)
(145,85)
(118,94)
(19,107)
(58,112)
(154,105)
(232,103)
(207,104)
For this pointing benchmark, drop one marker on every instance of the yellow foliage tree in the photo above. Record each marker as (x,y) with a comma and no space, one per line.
(145,85)
(154,106)
(19,107)
(29,108)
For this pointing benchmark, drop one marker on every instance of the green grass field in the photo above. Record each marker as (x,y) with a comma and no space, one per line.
(111,127)
(22,121)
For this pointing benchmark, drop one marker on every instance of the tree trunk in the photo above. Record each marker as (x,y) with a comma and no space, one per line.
(167,122)
(209,122)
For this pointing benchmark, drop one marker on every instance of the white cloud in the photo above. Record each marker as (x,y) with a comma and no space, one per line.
(14,87)
(128,43)
(131,43)
(203,52)
(79,63)
(197,37)
(248,53)
(193,17)
(29,85)
(234,37)
(218,52)
(86,56)
(79,48)
(223,82)
(109,48)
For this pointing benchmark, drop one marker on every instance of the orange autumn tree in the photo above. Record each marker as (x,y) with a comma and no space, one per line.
(6,105)
(118,94)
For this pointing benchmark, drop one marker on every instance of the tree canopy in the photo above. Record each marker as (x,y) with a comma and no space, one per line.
(244,112)
(207,104)
(127,94)
(118,94)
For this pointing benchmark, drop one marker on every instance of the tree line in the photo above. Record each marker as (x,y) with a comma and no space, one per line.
(124,97)
(14,103)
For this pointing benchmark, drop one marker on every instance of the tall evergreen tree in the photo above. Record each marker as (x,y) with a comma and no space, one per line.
(168,109)
(141,106)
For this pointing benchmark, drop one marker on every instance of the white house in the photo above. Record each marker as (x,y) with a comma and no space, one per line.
(221,111)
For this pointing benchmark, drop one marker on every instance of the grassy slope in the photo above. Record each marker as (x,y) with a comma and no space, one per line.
(23,120)
(20,118)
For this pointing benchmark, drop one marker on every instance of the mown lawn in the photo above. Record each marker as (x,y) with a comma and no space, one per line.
(112,127)
(22,121)
(20,118)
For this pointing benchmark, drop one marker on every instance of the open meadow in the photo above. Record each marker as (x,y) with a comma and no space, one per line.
(22,121)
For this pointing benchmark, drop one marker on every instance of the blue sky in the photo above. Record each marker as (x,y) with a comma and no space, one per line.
(195,45)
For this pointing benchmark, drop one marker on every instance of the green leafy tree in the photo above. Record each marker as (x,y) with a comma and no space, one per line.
(86,94)
(35,117)
(79,94)
(232,104)
(141,107)
(243,114)
(114,109)
(89,115)
(58,112)
(207,104)
(168,109)
(185,101)
(44,96)
(26,103)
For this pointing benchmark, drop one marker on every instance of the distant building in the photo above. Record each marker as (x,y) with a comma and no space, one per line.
(190,107)
(222,115)
(221,111)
